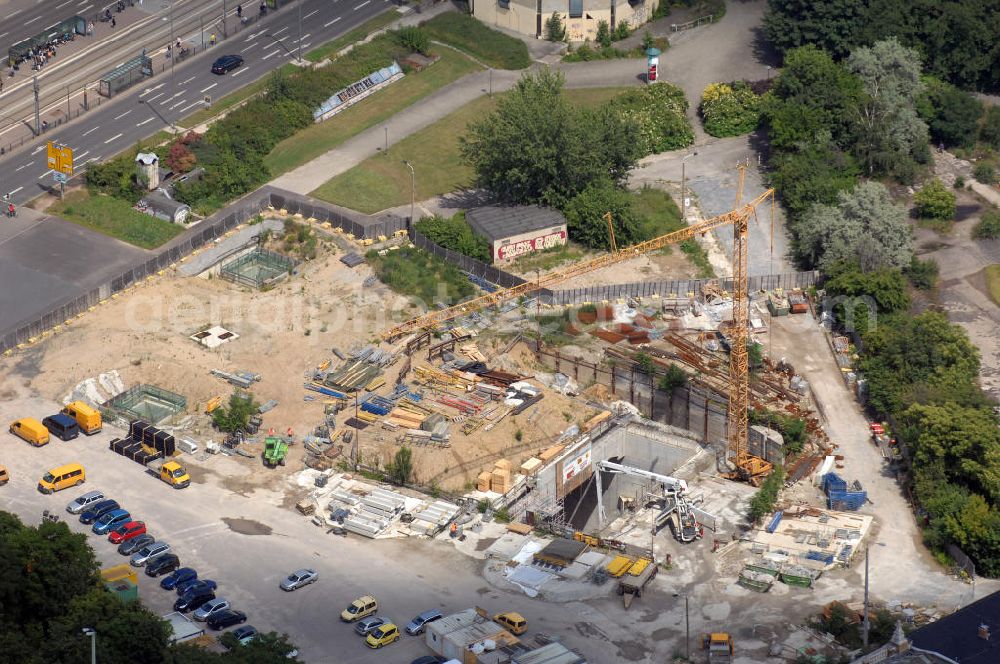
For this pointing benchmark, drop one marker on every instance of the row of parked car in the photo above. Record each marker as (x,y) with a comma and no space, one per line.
(67,424)
(106,516)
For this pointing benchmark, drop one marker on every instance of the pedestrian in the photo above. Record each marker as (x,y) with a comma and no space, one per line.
(90,29)
(239,11)
(1,85)
(211,40)
(113,22)
(168,51)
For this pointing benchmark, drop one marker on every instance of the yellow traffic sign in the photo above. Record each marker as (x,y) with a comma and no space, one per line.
(60,158)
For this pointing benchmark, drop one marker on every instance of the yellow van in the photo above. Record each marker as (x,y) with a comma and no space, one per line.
(86,417)
(30,430)
(63,477)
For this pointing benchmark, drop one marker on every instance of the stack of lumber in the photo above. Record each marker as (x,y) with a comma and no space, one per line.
(409,414)
(501,479)
(551,453)
(531,466)
(472,352)
(431,375)
(483,481)
(462,333)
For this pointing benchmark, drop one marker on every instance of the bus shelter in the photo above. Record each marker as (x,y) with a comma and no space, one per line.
(126,75)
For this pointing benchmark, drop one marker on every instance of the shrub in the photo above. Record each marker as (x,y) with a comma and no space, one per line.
(455,234)
(622,31)
(922,274)
(585,211)
(659,112)
(989,132)
(988,227)
(603,33)
(115,178)
(959,182)
(674,377)
(555,31)
(985,173)
(935,201)
(730,109)
(414,38)
(763,501)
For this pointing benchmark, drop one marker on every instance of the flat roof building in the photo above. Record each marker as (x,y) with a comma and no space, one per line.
(515,230)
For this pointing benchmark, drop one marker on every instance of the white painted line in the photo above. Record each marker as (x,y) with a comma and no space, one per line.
(241,70)
(38,149)
(278,32)
(12,14)
(269,55)
(315,11)
(44,174)
(178,104)
(3,34)
(176,94)
(144,122)
(63,5)
(15,191)
(187,80)
(327,25)
(91,130)
(24,166)
(92,159)
(81,155)
(204,90)
(366,2)
(306,45)
(113,138)
(32,20)
(50,26)
(119,117)
(85,8)
(153,89)
(194,103)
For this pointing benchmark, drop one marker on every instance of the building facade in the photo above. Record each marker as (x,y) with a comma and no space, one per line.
(515,230)
(580,17)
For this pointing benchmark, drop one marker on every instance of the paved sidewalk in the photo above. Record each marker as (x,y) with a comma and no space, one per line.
(718,54)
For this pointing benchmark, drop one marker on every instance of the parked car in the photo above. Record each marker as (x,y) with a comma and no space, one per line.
(97,510)
(85,501)
(196,584)
(429,659)
(142,556)
(127,531)
(244,634)
(226,64)
(162,564)
(362,607)
(299,578)
(419,623)
(512,621)
(382,636)
(210,608)
(110,521)
(191,600)
(366,626)
(62,426)
(128,547)
(178,576)
(226,618)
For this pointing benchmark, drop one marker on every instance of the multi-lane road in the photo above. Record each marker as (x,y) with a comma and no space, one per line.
(172,94)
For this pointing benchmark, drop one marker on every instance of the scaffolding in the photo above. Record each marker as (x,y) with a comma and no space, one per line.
(258,268)
(143,402)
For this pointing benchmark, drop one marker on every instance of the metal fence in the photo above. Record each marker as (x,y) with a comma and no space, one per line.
(356,225)
(471,265)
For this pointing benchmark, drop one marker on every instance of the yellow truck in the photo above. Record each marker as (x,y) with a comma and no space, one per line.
(170,472)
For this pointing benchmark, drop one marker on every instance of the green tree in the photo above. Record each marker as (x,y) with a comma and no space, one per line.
(673,378)
(585,215)
(401,468)
(865,227)
(236,414)
(935,201)
(644,363)
(952,115)
(891,136)
(555,31)
(989,132)
(655,117)
(814,171)
(455,233)
(603,36)
(858,295)
(764,500)
(831,26)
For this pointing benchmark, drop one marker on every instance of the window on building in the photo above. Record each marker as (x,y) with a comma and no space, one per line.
(503,4)
(576,8)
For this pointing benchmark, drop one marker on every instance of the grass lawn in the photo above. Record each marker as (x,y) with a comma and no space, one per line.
(488,45)
(115,217)
(320,138)
(357,34)
(992,275)
(421,275)
(223,104)
(661,216)
(382,181)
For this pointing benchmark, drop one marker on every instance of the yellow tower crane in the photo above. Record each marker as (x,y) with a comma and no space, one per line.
(748,467)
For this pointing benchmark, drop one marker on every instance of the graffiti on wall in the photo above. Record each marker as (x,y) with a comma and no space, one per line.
(513,250)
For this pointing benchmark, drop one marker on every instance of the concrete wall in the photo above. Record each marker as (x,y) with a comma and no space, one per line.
(514,246)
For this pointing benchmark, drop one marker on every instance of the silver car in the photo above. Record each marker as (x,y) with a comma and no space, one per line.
(211,607)
(368,625)
(299,578)
(143,555)
(84,501)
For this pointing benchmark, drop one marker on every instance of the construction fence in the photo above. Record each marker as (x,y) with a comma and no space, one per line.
(467,263)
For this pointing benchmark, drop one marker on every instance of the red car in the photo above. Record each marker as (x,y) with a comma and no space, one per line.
(127,531)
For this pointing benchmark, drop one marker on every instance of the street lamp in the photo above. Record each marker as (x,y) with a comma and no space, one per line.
(684,207)
(413,188)
(687,628)
(92,633)
(769,68)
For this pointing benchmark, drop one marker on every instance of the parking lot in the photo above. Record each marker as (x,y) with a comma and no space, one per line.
(248,543)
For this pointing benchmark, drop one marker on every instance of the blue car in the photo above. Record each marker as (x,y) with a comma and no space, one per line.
(195,585)
(110,521)
(183,575)
(97,510)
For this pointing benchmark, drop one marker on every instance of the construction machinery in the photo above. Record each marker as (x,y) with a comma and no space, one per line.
(719,646)
(746,466)
(275,450)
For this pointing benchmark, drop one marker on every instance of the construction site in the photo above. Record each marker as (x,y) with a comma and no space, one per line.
(582,449)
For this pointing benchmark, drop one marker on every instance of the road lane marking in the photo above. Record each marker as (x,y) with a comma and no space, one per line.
(327,25)
(144,122)
(178,104)
(366,2)
(187,80)
(315,11)
(25,166)
(242,69)
(3,34)
(113,138)
(194,103)
(38,149)
(63,5)
(12,14)
(155,97)
(91,130)
(15,191)
(81,155)
(85,8)
(204,90)
(306,45)
(278,32)
(32,20)
(119,117)
(44,174)
(153,89)
(269,55)
(92,159)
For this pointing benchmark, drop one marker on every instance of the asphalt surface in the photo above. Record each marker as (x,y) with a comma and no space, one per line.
(45,260)
(169,96)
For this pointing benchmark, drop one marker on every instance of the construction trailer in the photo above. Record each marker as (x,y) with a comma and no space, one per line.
(638,576)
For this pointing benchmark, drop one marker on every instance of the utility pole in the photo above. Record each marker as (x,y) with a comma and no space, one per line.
(299,49)
(413,190)
(866,624)
(38,112)
(175,52)
(224,32)
(386,139)
(684,207)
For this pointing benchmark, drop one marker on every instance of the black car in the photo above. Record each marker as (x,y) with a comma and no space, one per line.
(429,659)
(227,63)
(162,564)
(98,510)
(226,618)
(128,547)
(191,601)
